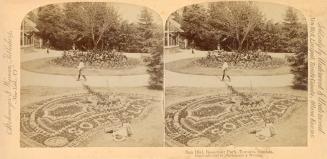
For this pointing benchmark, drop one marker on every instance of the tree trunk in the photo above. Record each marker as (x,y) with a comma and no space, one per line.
(240,46)
(94,45)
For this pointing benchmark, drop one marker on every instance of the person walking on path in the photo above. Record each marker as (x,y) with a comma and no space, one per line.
(81,67)
(225,69)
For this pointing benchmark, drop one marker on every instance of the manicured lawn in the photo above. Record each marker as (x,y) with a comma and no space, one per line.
(188,67)
(44,66)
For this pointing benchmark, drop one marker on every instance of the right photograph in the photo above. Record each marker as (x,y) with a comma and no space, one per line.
(236,74)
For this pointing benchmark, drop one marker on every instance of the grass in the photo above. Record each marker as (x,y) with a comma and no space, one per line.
(172,50)
(45,66)
(188,67)
(28,50)
(30,94)
(291,131)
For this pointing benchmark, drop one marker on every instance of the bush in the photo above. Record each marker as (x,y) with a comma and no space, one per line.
(251,60)
(95,59)
(155,67)
(299,64)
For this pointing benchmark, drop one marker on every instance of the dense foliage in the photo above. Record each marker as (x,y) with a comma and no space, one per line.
(297,43)
(152,40)
(240,26)
(243,60)
(95,59)
(91,25)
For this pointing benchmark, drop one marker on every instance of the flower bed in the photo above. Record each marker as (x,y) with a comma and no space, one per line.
(197,118)
(250,60)
(95,59)
(69,122)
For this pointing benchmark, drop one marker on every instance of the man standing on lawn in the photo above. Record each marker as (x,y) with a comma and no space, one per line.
(225,68)
(81,67)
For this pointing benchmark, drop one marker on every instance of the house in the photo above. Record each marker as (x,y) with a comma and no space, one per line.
(28,37)
(173,38)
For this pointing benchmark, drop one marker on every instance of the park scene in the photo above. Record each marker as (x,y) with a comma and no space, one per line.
(236,75)
(91,75)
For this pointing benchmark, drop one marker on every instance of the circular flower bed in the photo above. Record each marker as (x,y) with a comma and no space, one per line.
(95,59)
(242,60)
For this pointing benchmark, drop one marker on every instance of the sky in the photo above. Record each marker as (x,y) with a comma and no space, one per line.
(275,11)
(131,12)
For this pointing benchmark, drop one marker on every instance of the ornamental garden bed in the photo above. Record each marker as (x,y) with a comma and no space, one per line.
(63,117)
(99,63)
(247,64)
(186,124)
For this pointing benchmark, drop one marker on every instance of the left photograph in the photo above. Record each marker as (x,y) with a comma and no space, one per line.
(91,76)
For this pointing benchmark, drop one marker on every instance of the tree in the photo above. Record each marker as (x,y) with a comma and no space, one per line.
(235,20)
(291,22)
(155,64)
(299,65)
(291,31)
(90,20)
(194,25)
(146,29)
(130,39)
(150,36)
(295,36)
(267,37)
(50,25)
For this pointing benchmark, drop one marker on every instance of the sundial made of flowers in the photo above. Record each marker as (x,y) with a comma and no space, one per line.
(206,120)
(71,119)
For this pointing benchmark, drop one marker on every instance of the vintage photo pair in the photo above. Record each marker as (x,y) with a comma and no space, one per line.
(117,75)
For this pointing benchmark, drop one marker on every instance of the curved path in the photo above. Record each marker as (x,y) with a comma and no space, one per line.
(39,79)
(189,80)
(171,78)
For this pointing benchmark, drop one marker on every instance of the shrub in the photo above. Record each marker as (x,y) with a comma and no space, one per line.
(95,59)
(299,67)
(251,60)
(155,67)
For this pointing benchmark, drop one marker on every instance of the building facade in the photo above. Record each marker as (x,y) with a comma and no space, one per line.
(172,35)
(28,37)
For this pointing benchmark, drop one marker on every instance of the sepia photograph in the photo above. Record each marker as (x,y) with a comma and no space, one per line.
(236,74)
(91,76)
(186,79)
